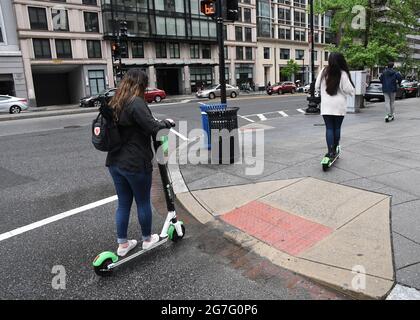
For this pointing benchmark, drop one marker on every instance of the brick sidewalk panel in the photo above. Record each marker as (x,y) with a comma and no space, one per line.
(282,230)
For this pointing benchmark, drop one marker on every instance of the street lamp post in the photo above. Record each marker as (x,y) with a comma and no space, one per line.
(222,78)
(312,106)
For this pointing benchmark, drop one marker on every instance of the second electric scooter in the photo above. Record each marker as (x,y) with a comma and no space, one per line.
(172,229)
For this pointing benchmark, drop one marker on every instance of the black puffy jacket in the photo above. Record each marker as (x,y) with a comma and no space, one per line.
(137,126)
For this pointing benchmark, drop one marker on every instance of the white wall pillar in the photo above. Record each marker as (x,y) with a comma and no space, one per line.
(187,80)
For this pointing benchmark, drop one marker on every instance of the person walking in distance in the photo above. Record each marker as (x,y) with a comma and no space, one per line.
(131,165)
(334,84)
(389,79)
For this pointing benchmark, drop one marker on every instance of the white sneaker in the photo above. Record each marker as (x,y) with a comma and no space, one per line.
(123,251)
(154,238)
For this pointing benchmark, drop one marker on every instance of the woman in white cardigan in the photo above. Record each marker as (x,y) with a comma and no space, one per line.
(334,84)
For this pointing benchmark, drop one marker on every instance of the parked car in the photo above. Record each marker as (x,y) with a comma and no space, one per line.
(151,94)
(282,87)
(374,91)
(409,88)
(12,104)
(214,91)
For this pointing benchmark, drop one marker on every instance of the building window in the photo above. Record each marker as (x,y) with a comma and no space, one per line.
(91,22)
(225,32)
(200,77)
(240,14)
(266,53)
(284,16)
(137,49)
(247,15)
(226,53)
(284,2)
(90,2)
(284,54)
(42,48)
(195,51)
(238,34)
(160,50)
(285,34)
(300,35)
(300,19)
(63,48)
(300,3)
(96,81)
(206,51)
(239,53)
(326,55)
(174,50)
(2,37)
(38,18)
(264,18)
(60,19)
(94,49)
(248,53)
(248,34)
(300,54)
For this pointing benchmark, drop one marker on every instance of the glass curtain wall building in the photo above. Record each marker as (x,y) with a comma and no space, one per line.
(170,39)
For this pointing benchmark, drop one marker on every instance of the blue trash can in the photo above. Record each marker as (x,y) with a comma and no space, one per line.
(205,120)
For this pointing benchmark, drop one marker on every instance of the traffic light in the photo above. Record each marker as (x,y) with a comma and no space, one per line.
(208,7)
(232,10)
(116,52)
(123,29)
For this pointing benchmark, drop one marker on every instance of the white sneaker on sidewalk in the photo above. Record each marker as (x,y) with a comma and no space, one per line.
(154,238)
(123,251)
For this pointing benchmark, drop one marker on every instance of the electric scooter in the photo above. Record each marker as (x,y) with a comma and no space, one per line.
(172,229)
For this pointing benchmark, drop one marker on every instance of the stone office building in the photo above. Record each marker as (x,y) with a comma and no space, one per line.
(64,54)
(12,76)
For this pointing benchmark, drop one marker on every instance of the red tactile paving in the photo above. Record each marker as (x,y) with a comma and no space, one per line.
(282,230)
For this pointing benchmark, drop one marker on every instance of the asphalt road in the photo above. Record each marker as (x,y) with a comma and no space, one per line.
(48,166)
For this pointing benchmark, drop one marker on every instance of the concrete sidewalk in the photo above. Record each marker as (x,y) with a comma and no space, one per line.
(355,227)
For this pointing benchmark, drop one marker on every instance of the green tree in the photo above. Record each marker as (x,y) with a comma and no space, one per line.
(292,68)
(371,32)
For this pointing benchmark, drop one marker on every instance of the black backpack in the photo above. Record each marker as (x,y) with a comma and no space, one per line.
(105,134)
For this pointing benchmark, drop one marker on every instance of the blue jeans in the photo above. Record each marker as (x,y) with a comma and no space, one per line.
(333,132)
(129,184)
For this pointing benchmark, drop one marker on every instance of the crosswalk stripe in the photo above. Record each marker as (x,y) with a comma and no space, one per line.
(300,110)
(243,117)
(262,117)
(284,114)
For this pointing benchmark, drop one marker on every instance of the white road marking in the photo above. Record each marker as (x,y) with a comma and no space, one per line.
(300,110)
(180,135)
(244,117)
(284,114)
(56,217)
(261,116)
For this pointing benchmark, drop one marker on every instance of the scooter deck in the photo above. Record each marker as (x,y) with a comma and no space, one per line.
(136,254)
(326,166)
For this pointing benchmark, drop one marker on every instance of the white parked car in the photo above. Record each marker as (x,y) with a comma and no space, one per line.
(215,91)
(12,104)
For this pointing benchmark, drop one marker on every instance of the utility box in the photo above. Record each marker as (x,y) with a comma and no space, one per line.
(359,79)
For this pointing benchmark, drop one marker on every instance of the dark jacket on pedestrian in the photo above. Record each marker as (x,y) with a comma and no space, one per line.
(389,79)
(137,127)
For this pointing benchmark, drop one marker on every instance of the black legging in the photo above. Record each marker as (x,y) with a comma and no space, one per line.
(333,132)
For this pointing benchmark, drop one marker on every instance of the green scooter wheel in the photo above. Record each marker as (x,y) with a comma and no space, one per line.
(173,235)
(102,270)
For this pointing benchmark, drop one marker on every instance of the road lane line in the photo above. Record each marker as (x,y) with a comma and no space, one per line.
(284,114)
(261,116)
(179,135)
(300,110)
(57,217)
(243,117)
